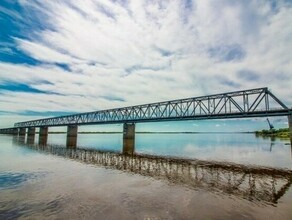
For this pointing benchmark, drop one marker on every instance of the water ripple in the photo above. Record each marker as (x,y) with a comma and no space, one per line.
(10,180)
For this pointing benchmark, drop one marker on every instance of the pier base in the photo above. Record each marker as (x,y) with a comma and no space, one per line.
(43,135)
(129,139)
(71,141)
(30,135)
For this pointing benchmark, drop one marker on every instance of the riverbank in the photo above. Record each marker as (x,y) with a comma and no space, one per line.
(280,133)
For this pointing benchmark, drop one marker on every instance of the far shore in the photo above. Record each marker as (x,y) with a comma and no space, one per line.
(279,133)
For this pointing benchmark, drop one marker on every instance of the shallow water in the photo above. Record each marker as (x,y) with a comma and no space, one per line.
(171,176)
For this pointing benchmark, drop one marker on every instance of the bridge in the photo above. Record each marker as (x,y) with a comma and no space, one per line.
(255,183)
(259,102)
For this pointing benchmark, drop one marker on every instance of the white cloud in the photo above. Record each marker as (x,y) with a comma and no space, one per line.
(44,53)
(149,51)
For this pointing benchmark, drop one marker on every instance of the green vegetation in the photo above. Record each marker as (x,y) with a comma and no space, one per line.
(281,133)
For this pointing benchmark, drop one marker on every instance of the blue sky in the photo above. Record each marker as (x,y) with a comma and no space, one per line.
(64,57)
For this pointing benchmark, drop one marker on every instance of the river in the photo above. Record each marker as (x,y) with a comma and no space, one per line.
(170,176)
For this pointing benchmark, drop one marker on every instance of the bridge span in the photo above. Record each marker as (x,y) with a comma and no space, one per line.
(259,102)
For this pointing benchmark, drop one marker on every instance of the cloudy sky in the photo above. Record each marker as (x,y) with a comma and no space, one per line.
(63,57)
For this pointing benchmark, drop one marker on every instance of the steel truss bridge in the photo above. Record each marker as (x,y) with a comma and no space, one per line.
(267,185)
(258,102)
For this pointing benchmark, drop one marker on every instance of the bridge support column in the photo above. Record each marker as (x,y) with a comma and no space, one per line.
(15,131)
(21,131)
(129,139)
(290,124)
(71,141)
(21,135)
(30,135)
(290,128)
(43,135)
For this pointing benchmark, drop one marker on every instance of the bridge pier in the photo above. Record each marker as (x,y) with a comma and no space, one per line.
(129,138)
(290,128)
(21,131)
(43,135)
(21,135)
(72,131)
(290,124)
(31,135)
(15,131)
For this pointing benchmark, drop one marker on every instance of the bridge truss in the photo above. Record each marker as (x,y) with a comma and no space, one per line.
(258,102)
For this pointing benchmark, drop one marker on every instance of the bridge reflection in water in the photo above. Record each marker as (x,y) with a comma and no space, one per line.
(249,182)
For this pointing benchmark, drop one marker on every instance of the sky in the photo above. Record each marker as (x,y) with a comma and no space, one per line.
(72,56)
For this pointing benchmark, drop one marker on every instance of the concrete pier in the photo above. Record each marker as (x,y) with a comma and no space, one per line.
(290,128)
(290,124)
(21,135)
(129,139)
(43,135)
(21,131)
(15,131)
(72,131)
(30,135)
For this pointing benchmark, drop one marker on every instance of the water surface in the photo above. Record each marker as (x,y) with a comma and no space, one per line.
(171,176)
